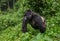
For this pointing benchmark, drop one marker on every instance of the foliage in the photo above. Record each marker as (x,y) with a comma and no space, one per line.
(11,21)
(44,7)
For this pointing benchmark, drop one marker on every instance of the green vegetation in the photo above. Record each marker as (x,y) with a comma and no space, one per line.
(11,21)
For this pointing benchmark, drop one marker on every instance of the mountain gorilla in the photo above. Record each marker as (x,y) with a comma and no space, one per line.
(35,20)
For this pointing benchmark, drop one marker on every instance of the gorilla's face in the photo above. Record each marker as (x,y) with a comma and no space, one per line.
(28,14)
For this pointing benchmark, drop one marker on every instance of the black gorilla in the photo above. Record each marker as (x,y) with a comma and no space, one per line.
(35,20)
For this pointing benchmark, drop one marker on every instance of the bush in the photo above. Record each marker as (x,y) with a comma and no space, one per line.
(44,7)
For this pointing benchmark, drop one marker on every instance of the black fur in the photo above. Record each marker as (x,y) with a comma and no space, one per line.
(34,20)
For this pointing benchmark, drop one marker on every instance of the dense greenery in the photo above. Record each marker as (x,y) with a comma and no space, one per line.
(11,21)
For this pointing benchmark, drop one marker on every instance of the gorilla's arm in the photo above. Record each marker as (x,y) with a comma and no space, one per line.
(24,24)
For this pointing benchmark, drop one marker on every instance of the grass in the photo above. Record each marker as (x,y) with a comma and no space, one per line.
(11,25)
